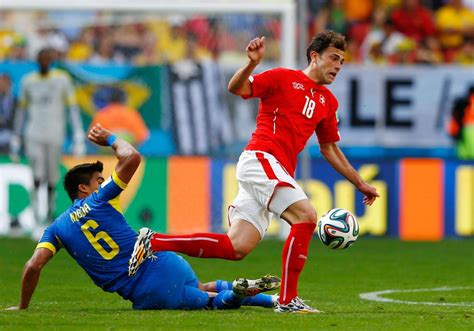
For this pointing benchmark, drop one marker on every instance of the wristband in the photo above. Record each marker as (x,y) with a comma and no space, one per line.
(111,139)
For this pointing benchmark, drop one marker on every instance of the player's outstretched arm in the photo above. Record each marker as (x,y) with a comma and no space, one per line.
(239,84)
(128,157)
(333,154)
(31,274)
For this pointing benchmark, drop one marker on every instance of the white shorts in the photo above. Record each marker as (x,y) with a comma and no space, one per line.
(44,160)
(259,174)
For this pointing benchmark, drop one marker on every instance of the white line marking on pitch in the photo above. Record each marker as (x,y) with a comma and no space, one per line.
(377,296)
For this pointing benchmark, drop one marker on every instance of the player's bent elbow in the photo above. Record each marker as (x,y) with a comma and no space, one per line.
(132,158)
(135,158)
(232,89)
(241,91)
(33,266)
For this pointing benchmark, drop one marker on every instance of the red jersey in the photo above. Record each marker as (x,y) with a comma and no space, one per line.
(292,107)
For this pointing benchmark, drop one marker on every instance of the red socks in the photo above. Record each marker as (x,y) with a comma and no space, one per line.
(294,257)
(206,245)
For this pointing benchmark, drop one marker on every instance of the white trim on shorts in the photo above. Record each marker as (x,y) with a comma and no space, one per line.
(259,174)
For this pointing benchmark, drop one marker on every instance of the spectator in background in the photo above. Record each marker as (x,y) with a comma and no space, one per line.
(173,41)
(123,121)
(429,52)
(7,108)
(148,54)
(331,17)
(47,37)
(12,46)
(465,56)
(414,20)
(382,42)
(129,40)
(43,96)
(405,52)
(80,49)
(455,24)
(104,52)
(461,125)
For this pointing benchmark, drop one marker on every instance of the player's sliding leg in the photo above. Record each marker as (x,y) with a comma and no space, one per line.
(241,292)
(227,299)
(261,300)
(244,286)
(247,292)
(249,287)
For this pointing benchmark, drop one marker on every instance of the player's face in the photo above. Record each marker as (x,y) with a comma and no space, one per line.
(328,64)
(44,61)
(96,180)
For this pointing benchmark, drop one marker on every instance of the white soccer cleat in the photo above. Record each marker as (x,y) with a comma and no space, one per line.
(251,287)
(141,251)
(295,306)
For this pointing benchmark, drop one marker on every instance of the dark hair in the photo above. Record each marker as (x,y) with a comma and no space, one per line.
(325,40)
(44,51)
(80,174)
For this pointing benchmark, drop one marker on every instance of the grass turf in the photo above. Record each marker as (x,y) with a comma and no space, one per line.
(332,281)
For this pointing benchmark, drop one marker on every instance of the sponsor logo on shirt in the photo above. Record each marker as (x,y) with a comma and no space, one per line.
(298,86)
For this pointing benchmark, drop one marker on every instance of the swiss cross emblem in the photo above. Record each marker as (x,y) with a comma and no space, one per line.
(322,99)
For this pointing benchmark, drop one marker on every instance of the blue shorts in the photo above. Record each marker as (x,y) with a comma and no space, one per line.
(169,282)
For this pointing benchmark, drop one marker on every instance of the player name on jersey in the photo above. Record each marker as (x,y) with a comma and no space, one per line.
(81,212)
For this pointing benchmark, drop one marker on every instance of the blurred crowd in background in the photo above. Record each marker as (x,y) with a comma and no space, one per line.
(379,32)
(139,39)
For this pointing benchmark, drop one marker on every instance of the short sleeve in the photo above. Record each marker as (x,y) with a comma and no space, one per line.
(49,239)
(262,84)
(111,188)
(327,130)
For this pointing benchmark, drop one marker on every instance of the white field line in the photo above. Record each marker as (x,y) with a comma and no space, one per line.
(377,296)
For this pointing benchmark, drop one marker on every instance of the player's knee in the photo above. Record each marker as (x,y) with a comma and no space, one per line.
(240,254)
(241,251)
(307,215)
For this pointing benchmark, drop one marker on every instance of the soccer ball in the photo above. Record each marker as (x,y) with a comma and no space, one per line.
(338,229)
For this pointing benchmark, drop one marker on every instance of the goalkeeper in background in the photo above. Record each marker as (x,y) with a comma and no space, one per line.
(43,98)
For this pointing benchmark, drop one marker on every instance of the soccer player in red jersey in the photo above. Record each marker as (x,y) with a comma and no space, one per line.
(293,105)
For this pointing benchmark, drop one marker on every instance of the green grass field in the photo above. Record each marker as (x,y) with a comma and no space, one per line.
(332,281)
